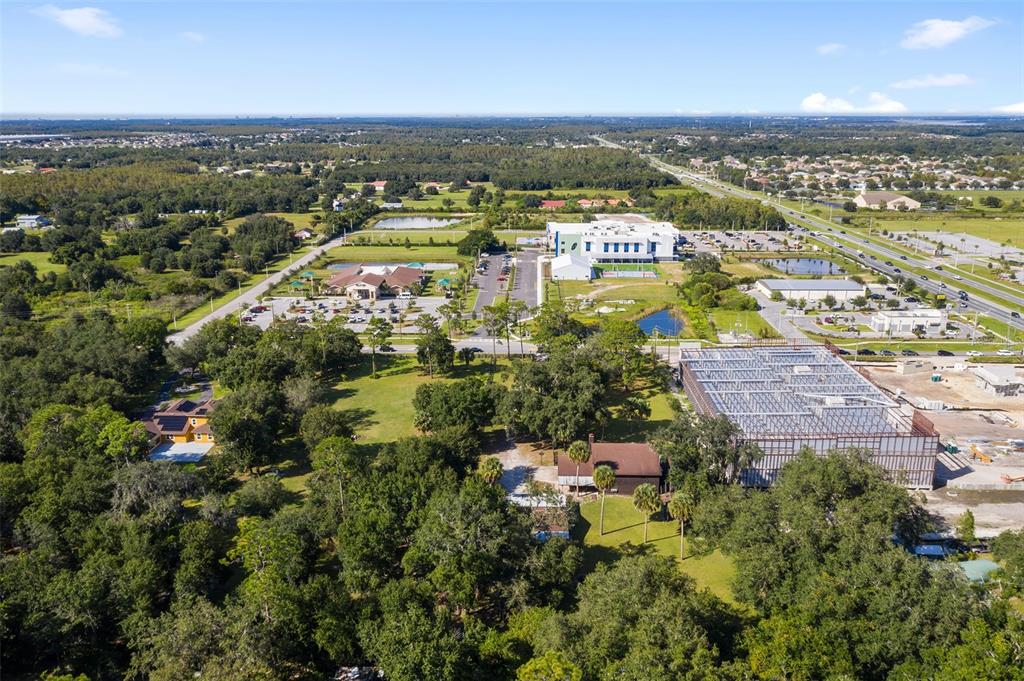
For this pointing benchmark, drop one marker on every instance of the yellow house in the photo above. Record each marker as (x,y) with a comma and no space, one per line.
(182,421)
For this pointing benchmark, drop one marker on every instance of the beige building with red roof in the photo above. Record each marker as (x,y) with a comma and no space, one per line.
(360,282)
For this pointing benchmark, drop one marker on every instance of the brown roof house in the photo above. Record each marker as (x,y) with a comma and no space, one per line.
(634,463)
(360,282)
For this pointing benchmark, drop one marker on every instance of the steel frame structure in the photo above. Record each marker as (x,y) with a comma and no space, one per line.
(787,396)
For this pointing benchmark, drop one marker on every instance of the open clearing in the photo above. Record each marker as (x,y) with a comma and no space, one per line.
(41,260)
(624,529)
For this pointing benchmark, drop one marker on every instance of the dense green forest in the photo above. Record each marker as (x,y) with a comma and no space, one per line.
(402,556)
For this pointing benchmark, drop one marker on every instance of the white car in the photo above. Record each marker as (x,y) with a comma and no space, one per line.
(973,353)
(1006,352)
(958,277)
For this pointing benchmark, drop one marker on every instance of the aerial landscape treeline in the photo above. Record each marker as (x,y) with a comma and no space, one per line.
(351,518)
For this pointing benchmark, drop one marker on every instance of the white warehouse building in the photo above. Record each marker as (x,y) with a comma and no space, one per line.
(812,290)
(930,322)
(614,241)
(569,267)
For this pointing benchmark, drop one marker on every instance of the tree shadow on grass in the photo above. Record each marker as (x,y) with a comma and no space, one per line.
(359,418)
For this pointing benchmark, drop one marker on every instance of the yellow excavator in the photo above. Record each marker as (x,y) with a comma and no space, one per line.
(976,454)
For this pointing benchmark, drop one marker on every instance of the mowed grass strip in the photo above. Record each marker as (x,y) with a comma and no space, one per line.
(624,525)
(41,261)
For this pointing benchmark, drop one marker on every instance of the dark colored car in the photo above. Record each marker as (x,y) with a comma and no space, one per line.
(887,353)
(908,353)
(944,353)
(868,351)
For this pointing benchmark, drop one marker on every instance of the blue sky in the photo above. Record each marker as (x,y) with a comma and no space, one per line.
(351,58)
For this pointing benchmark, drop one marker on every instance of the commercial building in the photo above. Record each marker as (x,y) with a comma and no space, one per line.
(634,464)
(887,200)
(615,241)
(999,379)
(784,398)
(927,322)
(570,267)
(812,290)
(363,282)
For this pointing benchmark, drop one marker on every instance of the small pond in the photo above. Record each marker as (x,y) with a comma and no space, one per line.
(415,222)
(664,321)
(803,265)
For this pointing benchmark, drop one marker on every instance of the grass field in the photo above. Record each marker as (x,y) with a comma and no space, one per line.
(1007,196)
(40,259)
(624,525)
(995,229)
(382,406)
(747,321)
(300,220)
(394,253)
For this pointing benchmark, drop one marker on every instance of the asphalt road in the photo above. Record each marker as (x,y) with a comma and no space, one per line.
(975,304)
(251,295)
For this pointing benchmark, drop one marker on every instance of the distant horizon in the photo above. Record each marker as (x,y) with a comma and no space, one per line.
(15,117)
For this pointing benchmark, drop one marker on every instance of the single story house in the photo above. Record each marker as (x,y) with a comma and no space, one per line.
(359,282)
(888,200)
(552,204)
(182,421)
(391,205)
(570,267)
(812,290)
(378,185)
(634,464)
(303,234)
(32,222)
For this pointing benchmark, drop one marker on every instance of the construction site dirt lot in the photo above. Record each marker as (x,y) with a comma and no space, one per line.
(994,511)
(971,416)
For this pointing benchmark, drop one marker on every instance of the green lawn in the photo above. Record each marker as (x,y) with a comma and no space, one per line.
(300,220)
(394,253)
(623,524)
(383,406)
(993,228)
(747,321)
(40,259)
(1007,195)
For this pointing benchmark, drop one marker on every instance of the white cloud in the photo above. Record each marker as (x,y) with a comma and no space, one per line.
(936,33)
(831,48)
(818,102)
(1017,108)
(88,21)
(878,102)
(93,70)
(931,80)
(192,37)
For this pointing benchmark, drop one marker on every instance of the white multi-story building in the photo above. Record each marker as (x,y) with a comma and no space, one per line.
(614,240)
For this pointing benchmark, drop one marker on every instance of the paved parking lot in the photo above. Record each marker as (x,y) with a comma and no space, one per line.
(708,241)
(360,313)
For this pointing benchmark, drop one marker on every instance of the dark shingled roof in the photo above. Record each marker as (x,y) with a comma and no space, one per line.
(627,459)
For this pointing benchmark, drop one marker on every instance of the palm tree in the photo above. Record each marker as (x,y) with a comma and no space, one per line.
(578,452)
(681,507)
(491,470)
(646,501)
(604,480)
